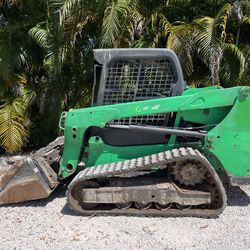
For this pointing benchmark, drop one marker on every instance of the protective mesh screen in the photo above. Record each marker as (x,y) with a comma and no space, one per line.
(137,80)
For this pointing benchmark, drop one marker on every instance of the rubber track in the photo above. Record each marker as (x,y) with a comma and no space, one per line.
(161,160)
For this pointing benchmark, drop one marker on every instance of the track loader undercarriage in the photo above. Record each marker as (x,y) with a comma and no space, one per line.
(111,189)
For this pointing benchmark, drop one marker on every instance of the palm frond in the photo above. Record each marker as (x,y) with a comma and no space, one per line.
(210,38)
(180,40)
(12,61)
(40,35)
(246,20)
(245,76)
(232,65)
(115,15)
(211,32)
(165,25)
(69,7)
(13,123)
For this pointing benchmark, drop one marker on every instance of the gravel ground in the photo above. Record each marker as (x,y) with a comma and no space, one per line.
(51,225)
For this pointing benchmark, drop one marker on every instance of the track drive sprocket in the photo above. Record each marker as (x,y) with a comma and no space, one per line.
(189,173)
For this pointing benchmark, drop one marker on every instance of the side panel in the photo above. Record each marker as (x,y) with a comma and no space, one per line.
(230,140)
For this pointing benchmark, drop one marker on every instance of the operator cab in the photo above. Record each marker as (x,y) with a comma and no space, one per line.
(129,75)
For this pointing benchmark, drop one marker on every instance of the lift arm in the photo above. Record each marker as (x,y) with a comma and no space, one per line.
(76,122)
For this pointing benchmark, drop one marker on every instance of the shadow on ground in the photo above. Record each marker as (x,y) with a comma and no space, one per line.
(237,197)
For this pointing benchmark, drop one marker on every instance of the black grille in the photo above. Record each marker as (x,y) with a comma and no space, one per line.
(137,80)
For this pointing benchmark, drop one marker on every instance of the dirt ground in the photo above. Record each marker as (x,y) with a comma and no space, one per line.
(50,224)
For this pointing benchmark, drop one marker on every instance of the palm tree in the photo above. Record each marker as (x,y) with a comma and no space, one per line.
(59,38)
(46,51)
(209,38)
(18,58)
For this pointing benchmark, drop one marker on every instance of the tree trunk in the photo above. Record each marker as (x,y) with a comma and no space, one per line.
(237,37)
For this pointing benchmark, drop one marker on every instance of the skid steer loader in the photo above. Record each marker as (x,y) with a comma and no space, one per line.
(149,145)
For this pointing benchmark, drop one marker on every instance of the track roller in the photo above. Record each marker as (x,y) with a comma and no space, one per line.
(124,205)
(163,207)
(143,206)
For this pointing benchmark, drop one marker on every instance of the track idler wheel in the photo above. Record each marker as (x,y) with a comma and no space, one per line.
(86,185)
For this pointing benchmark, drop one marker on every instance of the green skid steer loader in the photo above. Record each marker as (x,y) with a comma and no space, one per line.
(149,145)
